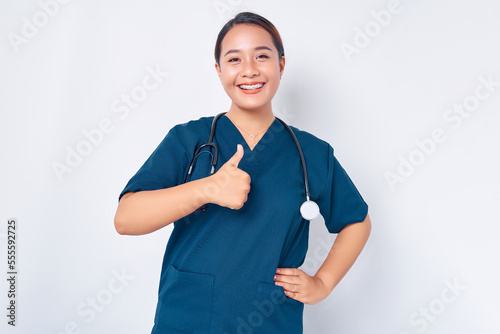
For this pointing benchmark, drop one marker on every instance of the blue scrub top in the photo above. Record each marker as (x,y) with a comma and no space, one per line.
(219,265)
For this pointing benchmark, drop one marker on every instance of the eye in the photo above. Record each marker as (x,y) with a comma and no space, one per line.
(232,60)
(262,56)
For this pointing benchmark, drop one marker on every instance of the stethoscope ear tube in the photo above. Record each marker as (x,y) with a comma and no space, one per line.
(309,209)
(210,143)
(197,153)
(215,155)
(302,159)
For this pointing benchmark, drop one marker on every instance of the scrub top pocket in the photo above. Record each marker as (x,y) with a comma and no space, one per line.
(186,306)
(279,313)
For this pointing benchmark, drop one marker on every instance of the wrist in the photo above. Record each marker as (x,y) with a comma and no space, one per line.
(328,281)
(205,190)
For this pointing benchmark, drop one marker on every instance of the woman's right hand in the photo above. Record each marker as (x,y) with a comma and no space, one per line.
(229,186)
(147,211)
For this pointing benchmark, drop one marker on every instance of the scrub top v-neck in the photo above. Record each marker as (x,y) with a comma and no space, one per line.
(254,136)
(219,265)
(254,158)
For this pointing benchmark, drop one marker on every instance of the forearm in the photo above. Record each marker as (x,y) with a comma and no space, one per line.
(344,252)
(147,211)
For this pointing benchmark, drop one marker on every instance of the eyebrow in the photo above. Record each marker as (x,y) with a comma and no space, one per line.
(256,49)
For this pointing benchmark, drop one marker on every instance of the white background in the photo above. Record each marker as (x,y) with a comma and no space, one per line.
(438,228)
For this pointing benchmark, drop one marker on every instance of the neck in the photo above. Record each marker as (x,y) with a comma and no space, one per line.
(251,121)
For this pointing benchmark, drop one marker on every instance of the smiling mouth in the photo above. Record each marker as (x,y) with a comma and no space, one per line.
(252,86)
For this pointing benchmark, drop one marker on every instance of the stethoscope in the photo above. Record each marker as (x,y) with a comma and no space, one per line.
(309,209)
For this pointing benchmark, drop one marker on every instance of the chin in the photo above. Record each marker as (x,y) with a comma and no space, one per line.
(250,109)
(251,106)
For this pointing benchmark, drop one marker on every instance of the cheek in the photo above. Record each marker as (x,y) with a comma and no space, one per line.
(228,86)
(274,75)
(227,77)
(273,70)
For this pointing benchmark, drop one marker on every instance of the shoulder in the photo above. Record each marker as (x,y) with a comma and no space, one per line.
(190,133)
(186,136)
(193,128)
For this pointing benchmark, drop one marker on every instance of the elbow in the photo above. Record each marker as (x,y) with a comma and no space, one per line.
(123,224)
(367,226)
(122,221)
(120,225)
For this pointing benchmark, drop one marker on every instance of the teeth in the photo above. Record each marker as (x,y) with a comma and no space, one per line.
(251,87)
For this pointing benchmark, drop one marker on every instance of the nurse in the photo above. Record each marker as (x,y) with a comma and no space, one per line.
(233,267)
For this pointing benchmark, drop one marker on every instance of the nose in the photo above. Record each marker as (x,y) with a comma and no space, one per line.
(249,69)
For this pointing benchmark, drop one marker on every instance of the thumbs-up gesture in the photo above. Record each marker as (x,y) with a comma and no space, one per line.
(232,185)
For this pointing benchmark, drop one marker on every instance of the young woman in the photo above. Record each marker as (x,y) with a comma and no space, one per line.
(231,263)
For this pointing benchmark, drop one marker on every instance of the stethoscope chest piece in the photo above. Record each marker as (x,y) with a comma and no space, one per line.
(309,210)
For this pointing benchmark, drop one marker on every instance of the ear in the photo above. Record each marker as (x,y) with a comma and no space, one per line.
(217,68)
(282,65)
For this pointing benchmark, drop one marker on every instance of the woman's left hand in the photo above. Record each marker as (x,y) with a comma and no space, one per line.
(300,286)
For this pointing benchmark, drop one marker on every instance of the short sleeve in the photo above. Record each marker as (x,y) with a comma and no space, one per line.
(340,203)
(163,169)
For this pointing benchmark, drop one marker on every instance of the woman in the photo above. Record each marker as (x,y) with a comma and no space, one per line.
(231,267)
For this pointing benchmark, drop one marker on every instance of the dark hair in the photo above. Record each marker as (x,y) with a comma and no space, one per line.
(249,18)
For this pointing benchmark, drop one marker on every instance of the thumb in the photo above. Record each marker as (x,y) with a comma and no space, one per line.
(236,158)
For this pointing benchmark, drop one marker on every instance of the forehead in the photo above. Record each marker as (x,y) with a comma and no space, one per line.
(246,36)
